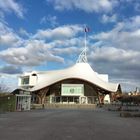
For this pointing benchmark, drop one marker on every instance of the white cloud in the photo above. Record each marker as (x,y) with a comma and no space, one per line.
(125,35)
(1,15)
(34,53)
(112,54)
(85,5)
(10,69)
(106,18)
(23,32)
(68,50)
(60,33)
(133,23)
(137,6)
(8,37)
(34,50)
(73,42)
(49,20)
(11,6)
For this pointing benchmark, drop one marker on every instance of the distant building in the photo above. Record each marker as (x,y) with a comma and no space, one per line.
(134,93)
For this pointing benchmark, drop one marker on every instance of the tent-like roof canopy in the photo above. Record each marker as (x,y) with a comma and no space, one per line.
(81,71)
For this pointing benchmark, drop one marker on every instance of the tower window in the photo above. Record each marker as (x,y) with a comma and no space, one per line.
(25,80)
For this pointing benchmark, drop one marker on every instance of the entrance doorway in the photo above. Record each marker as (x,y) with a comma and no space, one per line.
(23,102)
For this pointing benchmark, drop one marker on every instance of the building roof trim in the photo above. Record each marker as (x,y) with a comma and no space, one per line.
(81,71)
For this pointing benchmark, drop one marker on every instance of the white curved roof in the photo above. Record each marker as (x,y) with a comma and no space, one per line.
(81,71)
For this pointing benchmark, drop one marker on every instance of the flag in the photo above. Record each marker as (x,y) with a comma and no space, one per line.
(86,29)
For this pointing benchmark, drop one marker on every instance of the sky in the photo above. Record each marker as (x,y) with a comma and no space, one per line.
(49,34)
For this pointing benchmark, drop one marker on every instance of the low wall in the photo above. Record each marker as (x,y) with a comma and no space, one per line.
(64,106)
(7,103)
(118,107)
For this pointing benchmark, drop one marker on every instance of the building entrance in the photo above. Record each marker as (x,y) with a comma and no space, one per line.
(23,102)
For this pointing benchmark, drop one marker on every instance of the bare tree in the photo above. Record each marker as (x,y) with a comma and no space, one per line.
(3,88)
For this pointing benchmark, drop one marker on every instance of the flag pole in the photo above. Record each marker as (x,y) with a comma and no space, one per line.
(83,55)
(85,52)
(85,41)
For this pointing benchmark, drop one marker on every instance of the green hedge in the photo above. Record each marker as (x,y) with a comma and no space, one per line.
(7,103)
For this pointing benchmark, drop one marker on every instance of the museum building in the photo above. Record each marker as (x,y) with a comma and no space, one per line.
(78,84)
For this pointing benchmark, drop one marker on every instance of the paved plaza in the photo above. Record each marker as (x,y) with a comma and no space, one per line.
(62,124)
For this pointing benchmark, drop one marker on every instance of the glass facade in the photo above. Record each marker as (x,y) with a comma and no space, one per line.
(72,90)
(25,80)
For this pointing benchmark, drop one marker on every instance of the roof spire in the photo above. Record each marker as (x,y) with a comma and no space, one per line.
(83,55)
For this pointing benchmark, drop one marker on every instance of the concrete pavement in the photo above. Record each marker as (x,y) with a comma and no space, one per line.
(62,124)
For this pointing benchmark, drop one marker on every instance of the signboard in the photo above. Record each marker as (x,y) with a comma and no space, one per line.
(72,89)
